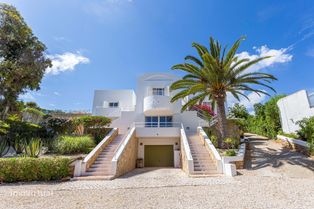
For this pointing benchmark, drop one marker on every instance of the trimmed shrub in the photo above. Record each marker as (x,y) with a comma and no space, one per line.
(32,115)
(98,133)
(84,123)
(92,121)
(34,169)
(73,144)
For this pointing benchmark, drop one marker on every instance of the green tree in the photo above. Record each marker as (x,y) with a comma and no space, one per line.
(216,72)
(22,58)
(238,111)
(267,118)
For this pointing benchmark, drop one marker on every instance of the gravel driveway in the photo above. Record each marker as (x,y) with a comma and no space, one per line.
(266,184)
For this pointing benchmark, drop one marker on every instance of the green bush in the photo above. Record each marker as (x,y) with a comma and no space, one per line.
(21,132)
(92,121)
(231,143)
(4,127)
(266,121)
(98,133)
(230,152)
(33,148)
(33,169)
(32,115)
(73,144)
(290,135)
(306,132)
(56,126)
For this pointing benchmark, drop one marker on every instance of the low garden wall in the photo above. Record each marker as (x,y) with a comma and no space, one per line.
(294,144)
(238,160)
(186,156)
(125,158)
(211,149)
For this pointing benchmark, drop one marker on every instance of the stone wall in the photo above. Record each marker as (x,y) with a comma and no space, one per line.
(294,144)
(184,160)
(127,160)
(296,147)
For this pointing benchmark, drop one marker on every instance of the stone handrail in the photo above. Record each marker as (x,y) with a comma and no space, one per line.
(212,149)
(293,141)
(121,148)
(92,156)
(186,152)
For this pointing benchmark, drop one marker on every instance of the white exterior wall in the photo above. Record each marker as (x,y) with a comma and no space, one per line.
(126,99)
(294,108)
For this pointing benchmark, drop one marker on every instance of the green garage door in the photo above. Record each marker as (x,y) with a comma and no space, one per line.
(158,156)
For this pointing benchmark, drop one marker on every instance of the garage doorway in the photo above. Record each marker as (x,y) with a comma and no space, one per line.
(158,156)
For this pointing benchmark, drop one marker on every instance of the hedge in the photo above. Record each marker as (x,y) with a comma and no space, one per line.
(34,169)
(74,144)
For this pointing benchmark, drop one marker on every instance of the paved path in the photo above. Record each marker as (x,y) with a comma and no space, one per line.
(276,178)
(269,158)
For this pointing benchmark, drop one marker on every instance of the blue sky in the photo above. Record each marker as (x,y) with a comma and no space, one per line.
(107,44)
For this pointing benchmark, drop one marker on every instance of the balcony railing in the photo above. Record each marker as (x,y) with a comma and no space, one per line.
(157,124)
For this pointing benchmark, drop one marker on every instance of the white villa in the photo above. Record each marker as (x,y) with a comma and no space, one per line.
(150,131)
(149,106)
(294,108)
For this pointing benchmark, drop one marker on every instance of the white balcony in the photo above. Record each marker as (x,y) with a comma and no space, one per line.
(157,130)
(110,112)
(158,105)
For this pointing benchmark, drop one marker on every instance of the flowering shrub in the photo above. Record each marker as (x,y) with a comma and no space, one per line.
(205,108)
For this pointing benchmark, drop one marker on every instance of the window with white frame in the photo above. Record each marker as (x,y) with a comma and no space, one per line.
(113,104)
(158,91)
(158,121)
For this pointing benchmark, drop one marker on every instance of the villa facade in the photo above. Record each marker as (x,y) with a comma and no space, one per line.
(148,109)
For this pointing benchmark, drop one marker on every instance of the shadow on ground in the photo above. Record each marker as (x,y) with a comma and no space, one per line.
(265,153)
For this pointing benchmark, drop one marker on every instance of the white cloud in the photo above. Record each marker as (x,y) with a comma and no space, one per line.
(56,93)
(106,7)
(253,99)
(27,97)
(277,56)
(65,62)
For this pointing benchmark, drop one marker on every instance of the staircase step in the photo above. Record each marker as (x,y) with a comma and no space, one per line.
(101,166)
(104,170)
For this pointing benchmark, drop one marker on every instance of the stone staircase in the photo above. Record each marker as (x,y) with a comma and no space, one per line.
(203,163)
(102,166)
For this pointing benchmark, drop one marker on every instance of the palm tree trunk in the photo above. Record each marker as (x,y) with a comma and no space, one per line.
(222,121)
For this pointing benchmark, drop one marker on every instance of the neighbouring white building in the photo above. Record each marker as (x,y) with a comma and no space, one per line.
(157,121)
(294,108)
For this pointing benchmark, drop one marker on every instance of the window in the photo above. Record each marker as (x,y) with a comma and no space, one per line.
(151,121)
(158,121)
(113,104)
(159,91)
(165,121)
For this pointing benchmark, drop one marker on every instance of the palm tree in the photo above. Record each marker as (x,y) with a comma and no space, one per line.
(215,73)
